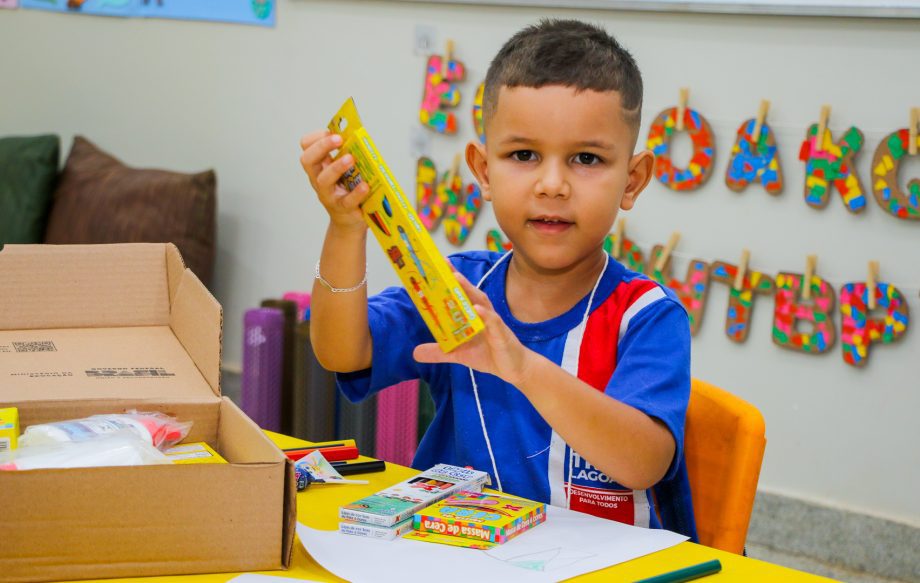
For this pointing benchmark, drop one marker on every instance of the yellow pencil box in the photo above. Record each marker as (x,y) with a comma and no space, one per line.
(194,453)
(9,429)
(392,219)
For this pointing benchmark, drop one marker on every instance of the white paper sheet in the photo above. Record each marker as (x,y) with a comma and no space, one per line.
(567,544)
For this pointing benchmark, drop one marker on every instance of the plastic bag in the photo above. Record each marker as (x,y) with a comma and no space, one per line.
(119,448)
(159,430)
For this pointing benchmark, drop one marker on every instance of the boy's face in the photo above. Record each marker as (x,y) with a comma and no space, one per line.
(557,166)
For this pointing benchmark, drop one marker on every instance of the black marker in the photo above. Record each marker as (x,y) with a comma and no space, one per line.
(346,468)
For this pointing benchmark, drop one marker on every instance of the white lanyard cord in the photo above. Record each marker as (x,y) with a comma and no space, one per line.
(482,420)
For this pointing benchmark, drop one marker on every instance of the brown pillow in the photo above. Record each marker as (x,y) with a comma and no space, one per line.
(100,200)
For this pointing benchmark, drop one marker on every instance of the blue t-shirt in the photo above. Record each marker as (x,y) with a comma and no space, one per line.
(634,346)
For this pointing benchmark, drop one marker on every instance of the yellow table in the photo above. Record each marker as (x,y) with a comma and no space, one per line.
(318,507)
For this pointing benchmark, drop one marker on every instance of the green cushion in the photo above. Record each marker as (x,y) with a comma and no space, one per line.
(28,171)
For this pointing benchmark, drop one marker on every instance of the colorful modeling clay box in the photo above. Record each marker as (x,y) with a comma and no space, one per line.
(91,329)
(392,219)
(491,519)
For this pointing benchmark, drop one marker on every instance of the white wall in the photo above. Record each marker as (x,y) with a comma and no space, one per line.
(189,96)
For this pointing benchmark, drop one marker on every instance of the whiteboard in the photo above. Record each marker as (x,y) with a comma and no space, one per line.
(850,8)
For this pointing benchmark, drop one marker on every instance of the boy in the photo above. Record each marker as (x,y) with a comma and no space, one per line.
(576,392)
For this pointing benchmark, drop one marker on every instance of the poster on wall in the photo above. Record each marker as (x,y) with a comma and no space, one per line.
(9,3)
(259,12)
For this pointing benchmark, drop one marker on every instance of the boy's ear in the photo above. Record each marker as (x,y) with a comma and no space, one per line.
(640,173)
(478,164)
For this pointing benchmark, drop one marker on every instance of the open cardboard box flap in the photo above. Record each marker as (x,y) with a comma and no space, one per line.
(110,313)
(90,329)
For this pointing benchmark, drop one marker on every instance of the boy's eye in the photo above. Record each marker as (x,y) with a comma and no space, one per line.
(587,159)
(523,155)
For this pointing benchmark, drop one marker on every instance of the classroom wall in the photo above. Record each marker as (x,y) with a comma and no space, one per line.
(192,95)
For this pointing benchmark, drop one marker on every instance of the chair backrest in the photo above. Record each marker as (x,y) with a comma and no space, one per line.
(724,443)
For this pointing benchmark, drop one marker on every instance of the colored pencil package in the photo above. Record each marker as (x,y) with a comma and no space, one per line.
(402,500)
(486,520)
(424,272)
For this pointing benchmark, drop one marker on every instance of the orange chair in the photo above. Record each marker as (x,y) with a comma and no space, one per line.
(724,444)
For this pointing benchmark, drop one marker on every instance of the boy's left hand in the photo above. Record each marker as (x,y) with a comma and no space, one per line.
(496,350)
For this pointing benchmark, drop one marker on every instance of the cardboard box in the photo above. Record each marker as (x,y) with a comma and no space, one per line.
(87,329)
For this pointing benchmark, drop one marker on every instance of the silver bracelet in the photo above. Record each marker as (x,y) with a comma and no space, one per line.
(340,290)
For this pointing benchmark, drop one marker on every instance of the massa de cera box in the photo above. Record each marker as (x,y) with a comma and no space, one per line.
(399,502)
(96,329)
(392,219)
(490,519)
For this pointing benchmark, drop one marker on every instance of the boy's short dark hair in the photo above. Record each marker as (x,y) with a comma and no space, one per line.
(570,53)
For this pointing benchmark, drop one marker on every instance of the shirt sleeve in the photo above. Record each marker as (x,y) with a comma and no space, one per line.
(653,368)
(396,329)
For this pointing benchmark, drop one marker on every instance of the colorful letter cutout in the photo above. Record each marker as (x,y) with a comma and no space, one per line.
(445,200)
(440,92)
(495,241)
(692,291)
(462,211)
(832,164)
(740,301)
(659,142)
(885,185)
(858,330)
(790,310)
(630,254)
(477,113)
(429,205)
(754,162)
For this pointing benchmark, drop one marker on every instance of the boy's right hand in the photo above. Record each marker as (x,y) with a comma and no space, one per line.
(342,205)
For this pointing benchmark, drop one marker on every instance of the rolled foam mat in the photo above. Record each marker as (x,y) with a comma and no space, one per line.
(397,420)
(263,348)
(313,410)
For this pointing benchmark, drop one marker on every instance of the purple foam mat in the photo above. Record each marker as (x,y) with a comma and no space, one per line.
(263,350)
(397,422)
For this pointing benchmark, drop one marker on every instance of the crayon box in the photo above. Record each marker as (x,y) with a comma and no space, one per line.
(392,219)
(399,502)
(489,519)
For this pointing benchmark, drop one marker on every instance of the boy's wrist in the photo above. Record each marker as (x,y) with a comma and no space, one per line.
(529,370)
(347,230)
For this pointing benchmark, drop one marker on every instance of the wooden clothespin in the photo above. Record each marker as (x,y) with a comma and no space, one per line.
(682,107)
(448,57)
(618,237)
(871,281)
(454,170)
(761,117)
(666,252)
(912,131)
(822,127)
(810,263)
(742,270)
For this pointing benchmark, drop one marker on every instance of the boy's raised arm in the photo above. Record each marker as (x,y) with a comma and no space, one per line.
(338,308)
